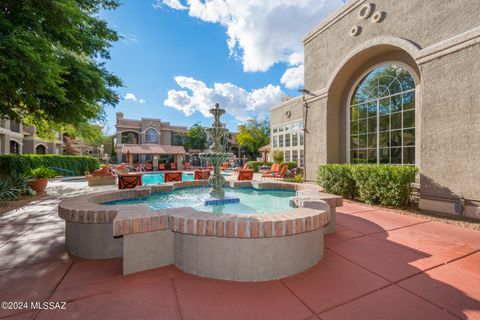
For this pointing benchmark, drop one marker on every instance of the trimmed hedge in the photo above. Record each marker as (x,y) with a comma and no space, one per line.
(255,164)
(387,185)
(337,179)
(26,162)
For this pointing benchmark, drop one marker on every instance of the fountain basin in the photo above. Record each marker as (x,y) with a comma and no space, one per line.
(242,247)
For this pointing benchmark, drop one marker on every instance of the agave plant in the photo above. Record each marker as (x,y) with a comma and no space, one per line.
(8,191)
(20,181)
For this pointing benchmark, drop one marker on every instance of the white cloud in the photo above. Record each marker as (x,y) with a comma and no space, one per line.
(238,102)
(132,97)
(293,77)
(261,33)
(174,4)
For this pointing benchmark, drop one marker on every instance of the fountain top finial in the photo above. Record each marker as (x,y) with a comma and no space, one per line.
(217,112)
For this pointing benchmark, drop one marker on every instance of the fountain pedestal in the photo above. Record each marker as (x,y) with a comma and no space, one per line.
(216,156)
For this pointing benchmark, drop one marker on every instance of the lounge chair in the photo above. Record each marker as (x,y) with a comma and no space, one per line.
(274,168)
(172,176)
(173,166)
(201,174)
(224,166)
(187,166)
(276,175)
(148,166)
(245,174)
(246,166)
(161,166)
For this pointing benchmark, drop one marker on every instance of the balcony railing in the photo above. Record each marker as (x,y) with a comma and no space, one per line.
(14,126)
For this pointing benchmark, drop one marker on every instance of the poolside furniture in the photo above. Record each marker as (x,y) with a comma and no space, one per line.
(201,174)
(136,165)
(121,169)
(161,166)
(148,166)
(277,175)
(172,176)
(130,180)
(245,174)
(101,177)
(274,168)
(187,166)
(224,166)
(246,166)
(173,166)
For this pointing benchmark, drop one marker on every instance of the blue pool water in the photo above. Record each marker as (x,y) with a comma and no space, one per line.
(157,178)
(251,200)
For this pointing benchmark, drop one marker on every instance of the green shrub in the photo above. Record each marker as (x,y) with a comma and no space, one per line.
(298,178)
(25,163)
(386,185)
(337,179)
(277,155)
(256,164)
(42,172)
(8,191)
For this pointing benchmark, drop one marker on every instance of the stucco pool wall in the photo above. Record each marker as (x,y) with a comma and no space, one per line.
(242,247)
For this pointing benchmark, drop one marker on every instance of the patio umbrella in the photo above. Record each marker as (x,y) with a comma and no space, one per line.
(128,156)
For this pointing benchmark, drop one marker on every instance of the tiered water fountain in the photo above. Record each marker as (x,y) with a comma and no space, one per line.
(217,156)
(214,234)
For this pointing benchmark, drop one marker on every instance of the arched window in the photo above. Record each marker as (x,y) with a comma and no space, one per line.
(40,149)
(14,147)
(382,117)
(151,135)
(130,137)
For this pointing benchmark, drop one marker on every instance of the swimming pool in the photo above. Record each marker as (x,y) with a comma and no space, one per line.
(157,177)
(252,201)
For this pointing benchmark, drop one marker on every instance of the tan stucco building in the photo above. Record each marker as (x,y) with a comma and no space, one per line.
(397,82)
(149,140)
(15,138)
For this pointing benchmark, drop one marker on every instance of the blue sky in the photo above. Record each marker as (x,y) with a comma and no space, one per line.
(178,58)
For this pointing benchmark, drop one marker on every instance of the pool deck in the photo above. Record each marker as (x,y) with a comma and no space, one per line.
(379,265)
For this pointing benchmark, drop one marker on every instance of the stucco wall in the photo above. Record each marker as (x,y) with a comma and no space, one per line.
(451,125)
(422,22)
(278,114)
(440,44)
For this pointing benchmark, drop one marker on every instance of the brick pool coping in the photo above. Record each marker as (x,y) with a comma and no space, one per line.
(313,212)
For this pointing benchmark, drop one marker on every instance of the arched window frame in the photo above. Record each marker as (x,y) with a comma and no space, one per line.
(352,92)
(41,145)
(149,139)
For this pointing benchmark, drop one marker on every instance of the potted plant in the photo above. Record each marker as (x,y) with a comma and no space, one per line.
(40,178)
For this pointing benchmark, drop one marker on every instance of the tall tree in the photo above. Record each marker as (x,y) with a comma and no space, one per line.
(52,57)
(253,135)
(196,137)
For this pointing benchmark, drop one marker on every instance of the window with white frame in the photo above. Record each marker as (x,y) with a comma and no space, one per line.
(294,139)
(287,140)
(382,117)
(280,141)
(287,155)
(295,156)
(275,141)
(151,135)
(301,158)
(302,137)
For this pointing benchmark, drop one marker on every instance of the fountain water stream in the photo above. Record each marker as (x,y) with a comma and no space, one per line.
(216,156)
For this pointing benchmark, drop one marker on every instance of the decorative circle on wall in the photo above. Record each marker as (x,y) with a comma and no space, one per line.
(355,31)
(288,113)
(366,11)
(378,17)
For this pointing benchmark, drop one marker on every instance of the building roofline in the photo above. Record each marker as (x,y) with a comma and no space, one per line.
(286,103)
(332,19)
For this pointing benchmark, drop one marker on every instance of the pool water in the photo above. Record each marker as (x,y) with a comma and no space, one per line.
(251,200)
(158,178)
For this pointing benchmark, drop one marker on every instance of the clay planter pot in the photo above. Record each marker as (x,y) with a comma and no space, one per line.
(38,184)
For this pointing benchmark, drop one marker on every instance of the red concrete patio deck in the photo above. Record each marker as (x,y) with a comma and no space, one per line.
(379,265)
